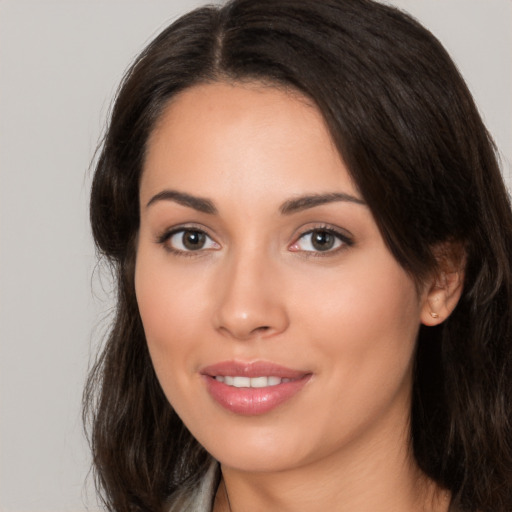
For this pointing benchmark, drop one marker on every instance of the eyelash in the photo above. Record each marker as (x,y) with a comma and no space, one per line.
(164,238)
(343,238)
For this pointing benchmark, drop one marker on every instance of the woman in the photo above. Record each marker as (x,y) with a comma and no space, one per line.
(312,244)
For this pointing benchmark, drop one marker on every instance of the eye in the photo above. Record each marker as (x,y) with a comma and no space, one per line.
(321,240)
(188,240)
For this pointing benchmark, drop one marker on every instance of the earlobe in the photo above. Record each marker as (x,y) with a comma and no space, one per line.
(442,297)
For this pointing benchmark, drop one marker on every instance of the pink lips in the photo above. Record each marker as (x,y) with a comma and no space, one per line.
(253,400)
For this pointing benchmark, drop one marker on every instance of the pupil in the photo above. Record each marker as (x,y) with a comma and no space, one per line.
(322,240)
(193,240)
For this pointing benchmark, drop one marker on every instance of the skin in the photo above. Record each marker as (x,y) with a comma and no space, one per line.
(259,290)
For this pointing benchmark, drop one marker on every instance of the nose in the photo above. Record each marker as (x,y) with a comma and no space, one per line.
(250,301)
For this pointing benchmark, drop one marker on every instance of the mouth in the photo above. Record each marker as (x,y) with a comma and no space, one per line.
(253,388)
(251,382)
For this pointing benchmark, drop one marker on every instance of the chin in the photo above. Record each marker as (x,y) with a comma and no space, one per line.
(260,450)
(253,461)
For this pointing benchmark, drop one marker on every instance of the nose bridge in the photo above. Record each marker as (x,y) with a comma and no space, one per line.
(249,303)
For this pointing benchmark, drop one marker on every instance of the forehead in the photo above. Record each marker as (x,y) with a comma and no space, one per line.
(237,135)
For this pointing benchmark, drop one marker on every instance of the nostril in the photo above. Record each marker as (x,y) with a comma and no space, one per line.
(262,328)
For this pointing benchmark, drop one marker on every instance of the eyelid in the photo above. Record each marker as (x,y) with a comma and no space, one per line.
(169,232)
(342,235)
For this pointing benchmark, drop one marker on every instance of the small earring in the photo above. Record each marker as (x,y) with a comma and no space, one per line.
(434,315)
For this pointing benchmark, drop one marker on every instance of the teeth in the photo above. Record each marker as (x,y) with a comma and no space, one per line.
(250,382)
(259,382)
(241,382)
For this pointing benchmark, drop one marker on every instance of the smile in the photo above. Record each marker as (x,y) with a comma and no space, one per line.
(251,382)
(252,389)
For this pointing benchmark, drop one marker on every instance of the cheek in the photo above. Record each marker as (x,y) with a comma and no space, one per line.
(169,297)
(365,323)
(168,304)
(373,296)
(364,326)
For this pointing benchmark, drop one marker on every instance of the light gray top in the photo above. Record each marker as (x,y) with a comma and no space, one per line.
(199,498)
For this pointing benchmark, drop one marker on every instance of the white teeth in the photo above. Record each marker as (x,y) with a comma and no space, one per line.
(241,382)
(274,381)
(251,382)
(259,382)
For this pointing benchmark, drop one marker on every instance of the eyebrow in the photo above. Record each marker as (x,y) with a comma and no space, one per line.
(310,201)
(294,205)
(197,203)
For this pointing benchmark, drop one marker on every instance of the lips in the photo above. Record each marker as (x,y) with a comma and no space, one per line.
(252,388)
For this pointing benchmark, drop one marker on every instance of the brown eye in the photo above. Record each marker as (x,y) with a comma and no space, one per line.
(193,240)
(322,240)
(188,240)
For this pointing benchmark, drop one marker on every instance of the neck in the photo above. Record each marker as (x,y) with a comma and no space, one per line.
(383,478)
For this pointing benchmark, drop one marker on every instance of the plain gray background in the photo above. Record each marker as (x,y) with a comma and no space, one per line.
(60,62)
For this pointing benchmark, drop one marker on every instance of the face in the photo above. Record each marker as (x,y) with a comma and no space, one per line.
(280,327)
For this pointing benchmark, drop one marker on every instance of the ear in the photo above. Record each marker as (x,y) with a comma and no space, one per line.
(443,290)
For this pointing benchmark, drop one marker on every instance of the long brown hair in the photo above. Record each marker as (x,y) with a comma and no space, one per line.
(407,127)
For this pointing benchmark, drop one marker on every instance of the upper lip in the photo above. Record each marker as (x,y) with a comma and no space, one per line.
(252,369)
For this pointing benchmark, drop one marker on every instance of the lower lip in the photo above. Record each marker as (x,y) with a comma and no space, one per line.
(253,401)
